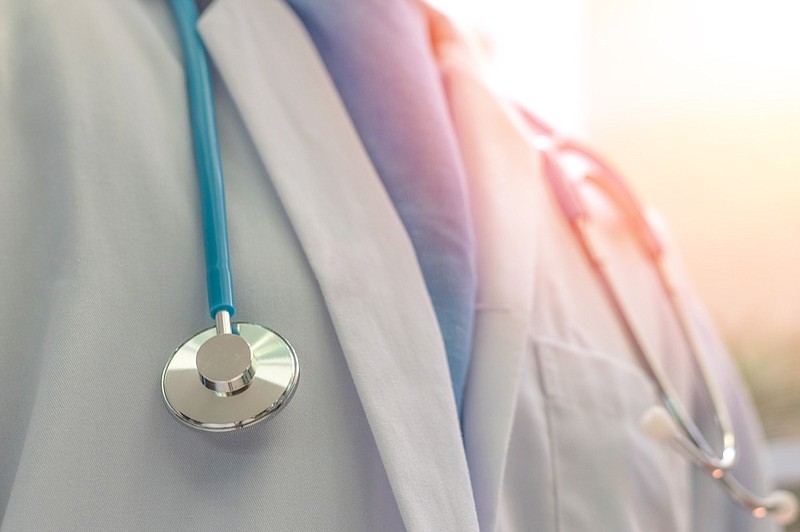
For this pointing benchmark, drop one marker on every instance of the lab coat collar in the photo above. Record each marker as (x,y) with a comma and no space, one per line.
(358,249)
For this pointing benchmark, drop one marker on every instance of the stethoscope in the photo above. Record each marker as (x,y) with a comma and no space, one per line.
(669,424)
(231,375)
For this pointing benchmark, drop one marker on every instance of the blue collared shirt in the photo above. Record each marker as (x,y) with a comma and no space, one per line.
(378,55)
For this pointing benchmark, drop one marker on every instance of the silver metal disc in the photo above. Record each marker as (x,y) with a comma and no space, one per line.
(272,385)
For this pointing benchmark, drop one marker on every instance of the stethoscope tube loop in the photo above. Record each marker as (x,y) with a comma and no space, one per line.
(581,226)
(577,216)
(671,423)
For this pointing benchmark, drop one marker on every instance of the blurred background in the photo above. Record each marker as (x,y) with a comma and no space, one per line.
(697,103)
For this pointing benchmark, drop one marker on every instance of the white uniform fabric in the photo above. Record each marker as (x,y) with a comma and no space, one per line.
(101,277)
(557,422)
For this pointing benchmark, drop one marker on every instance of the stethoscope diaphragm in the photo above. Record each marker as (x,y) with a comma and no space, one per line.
(222,382)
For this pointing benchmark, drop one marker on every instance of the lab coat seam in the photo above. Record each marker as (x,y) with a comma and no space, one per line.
(550,440)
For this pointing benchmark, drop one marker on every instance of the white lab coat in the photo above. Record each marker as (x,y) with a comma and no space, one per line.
(102,276)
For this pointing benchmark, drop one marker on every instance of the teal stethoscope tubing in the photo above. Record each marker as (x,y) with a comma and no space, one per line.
(229,376)
(219,279)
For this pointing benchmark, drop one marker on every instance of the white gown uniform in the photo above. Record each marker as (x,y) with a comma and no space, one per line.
(102,276)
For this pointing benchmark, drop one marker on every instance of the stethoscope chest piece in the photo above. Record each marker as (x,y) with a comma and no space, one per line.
(222,382)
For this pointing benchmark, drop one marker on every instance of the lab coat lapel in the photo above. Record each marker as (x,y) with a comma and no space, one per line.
(502,170)
(357,248)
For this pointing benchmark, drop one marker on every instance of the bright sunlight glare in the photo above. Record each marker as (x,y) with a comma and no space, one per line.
(698,103)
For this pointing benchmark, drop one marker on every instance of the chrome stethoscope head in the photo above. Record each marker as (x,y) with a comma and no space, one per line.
(229,376)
